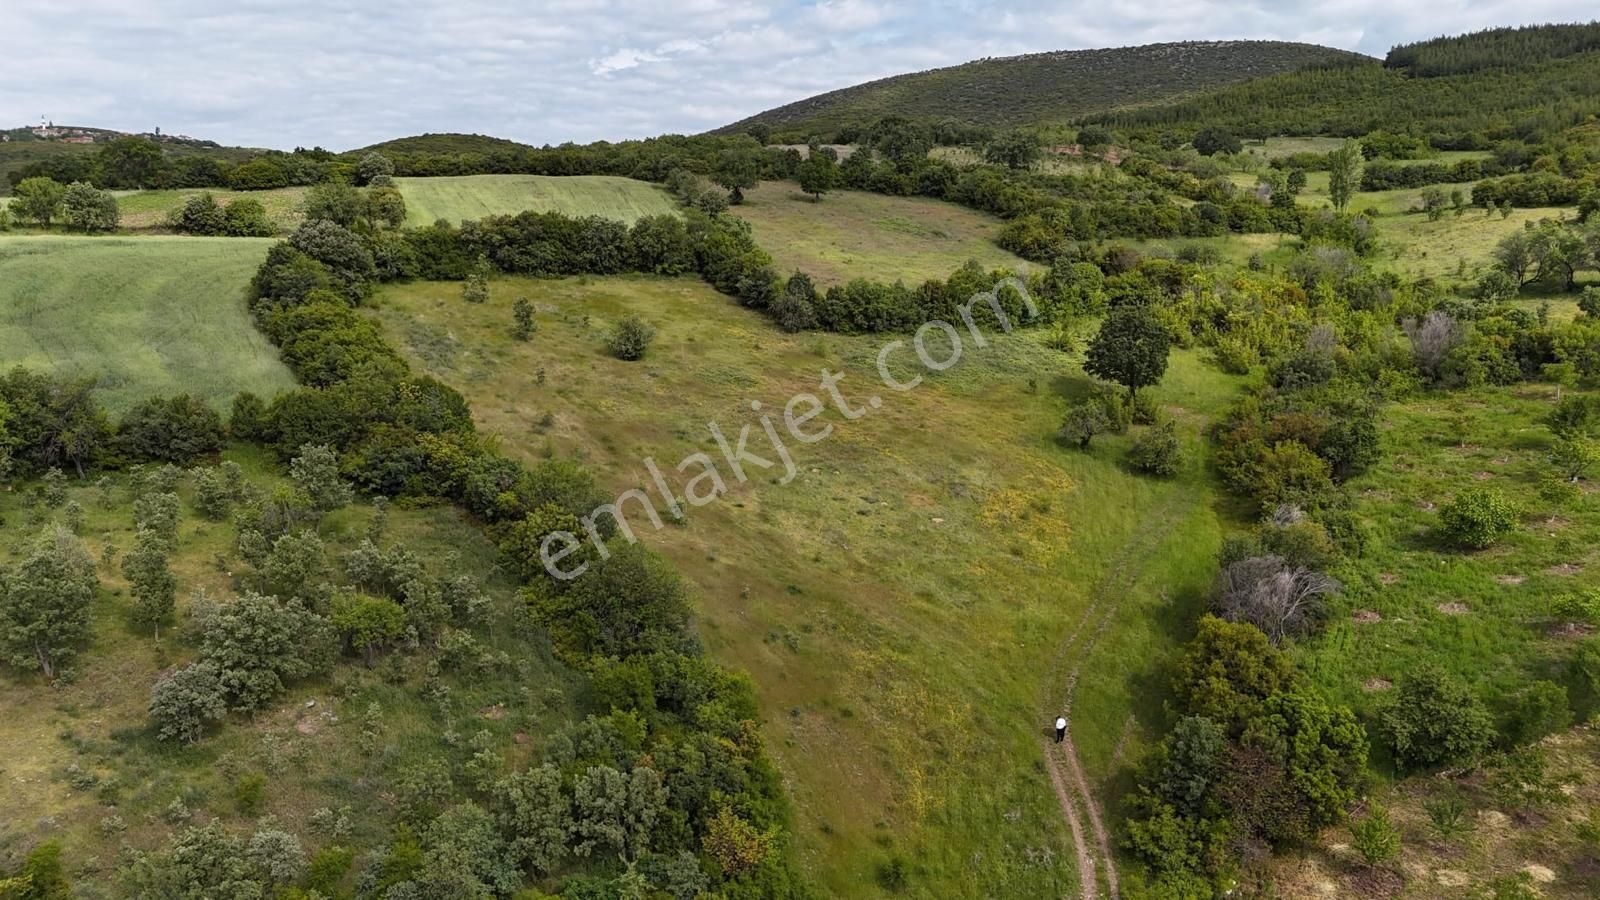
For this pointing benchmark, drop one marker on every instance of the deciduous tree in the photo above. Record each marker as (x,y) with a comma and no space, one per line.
(44,604)
(1131,348)
(38,200)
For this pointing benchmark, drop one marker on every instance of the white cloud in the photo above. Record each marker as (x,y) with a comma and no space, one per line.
(626,58)
(300,72)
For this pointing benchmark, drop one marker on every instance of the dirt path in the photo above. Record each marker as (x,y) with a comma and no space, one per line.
(1066,771)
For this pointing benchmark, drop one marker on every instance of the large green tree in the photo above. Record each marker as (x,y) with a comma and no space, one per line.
(1211,141)
(150,580)
(901,141)
(736,169)
(1131,348)
(44,604)
(129,162)
(37,200)
(818,173)
(1014,149)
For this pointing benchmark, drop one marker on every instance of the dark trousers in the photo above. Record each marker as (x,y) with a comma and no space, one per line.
(1061,734)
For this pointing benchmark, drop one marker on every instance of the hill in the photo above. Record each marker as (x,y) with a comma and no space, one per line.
(1047,87)
(431,144)
(1503,82)
(71,147)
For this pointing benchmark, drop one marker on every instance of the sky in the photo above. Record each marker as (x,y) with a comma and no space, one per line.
(346,73)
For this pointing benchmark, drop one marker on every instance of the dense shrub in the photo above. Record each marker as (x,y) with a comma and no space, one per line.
(1158,451)
(630,338)
(176,430)
(1477,518)
(1432,719)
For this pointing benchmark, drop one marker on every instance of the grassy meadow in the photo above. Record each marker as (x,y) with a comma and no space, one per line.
(456,198)
(148,209)
(145,315)
(855,234)
(80,763)
(903,602)
(1410,599)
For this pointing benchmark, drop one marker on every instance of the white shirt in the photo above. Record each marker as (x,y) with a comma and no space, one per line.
(1061,724)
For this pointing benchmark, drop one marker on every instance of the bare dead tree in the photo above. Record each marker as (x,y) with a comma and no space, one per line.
(1283,601)
(1432,339)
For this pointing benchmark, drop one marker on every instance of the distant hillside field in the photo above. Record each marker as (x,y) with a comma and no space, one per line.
(146,315)
(1048,87)
(854,234)
(456,198)
(149,209)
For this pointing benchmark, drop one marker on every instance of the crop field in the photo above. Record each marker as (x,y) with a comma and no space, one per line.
(904,603)
(854,234)
(146,315)
(148,209)
(458,198)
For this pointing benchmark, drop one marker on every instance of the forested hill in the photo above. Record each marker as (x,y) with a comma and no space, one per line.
(435,144)
(1495,48)
(1045,87)
(1506,82)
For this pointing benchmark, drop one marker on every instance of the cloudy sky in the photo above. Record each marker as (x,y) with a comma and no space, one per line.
(344,73)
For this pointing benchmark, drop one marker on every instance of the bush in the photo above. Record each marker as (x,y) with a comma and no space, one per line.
(246,217)
(1477,518)
(1158,451)
(631,338)
(200,215)
(1084,420)
(1432,720)
(1579,607)
(1375,837)
(1539,709)
(1289,473)
(186,702)
(175,430)
(88,209)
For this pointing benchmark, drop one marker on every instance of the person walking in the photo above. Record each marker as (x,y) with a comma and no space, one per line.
(1061,728)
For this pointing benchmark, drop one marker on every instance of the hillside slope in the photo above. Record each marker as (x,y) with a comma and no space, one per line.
(1047,87)
(23,147)
(1504,81)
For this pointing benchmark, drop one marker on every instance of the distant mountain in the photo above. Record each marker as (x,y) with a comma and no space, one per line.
(1047,87)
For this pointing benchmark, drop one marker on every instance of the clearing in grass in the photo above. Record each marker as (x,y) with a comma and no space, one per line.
(145,316)
(457,198)
(901,603)
(855,234)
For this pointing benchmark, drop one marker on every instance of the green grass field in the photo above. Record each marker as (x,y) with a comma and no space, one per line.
(1484,615)
(148,209)
(902,602)
(854,234)
(145,315)
(457,198)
